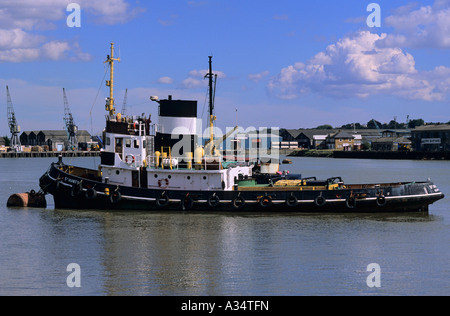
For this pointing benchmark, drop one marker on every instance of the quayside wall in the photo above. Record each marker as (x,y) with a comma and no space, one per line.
(45,154)
(406,155)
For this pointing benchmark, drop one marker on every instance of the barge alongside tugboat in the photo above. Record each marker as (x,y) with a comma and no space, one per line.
(144,167)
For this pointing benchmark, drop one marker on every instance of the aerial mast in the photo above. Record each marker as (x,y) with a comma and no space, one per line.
(110,83)
(12,122)
(212,118)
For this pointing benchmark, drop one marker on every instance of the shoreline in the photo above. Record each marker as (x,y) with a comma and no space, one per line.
(47,154)
(392,155)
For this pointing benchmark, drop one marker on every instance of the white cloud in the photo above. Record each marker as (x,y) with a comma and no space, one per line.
(20,20)
(423,27)
(31,14)
(110,11)
(357,67)
(196,79)
(17,38)
(54,50)
(165,80)
(257,77)
(193,83)
(202,73)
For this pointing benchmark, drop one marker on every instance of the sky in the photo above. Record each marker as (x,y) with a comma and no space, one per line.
(287,64)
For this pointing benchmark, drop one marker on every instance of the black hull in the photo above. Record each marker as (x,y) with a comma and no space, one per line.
(74,192)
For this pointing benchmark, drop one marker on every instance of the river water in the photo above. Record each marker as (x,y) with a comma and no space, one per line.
(159,254)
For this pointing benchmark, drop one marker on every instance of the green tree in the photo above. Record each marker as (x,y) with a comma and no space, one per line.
(325,126)
(7,141)
(371,124)
(415,123)
(352,125)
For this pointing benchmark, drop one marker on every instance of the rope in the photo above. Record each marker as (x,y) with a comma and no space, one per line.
(95,100)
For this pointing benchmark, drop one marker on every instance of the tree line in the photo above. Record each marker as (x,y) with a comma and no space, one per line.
(374,124)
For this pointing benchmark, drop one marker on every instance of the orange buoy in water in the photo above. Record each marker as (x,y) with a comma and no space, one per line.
(31,199)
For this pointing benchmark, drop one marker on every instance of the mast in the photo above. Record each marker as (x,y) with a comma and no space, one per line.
(110,83)
(212,118)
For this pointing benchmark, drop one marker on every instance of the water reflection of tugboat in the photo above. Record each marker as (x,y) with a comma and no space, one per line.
(146,166)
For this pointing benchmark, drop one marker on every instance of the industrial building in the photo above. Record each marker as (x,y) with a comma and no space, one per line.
(393,140)
(52,140)
(328,138)
(340,141)
(435,137)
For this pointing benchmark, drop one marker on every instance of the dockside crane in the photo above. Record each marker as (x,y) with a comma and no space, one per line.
(71,128)
(376,125)
(14,128)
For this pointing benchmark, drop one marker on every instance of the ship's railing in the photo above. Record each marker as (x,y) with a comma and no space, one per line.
(176,163)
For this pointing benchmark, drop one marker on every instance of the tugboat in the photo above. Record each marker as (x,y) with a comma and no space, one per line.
(160,167)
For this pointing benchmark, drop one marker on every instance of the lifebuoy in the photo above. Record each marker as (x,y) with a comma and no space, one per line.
(130,159)
(381,200)
(187,202)
(163,183)
(350,202)
(291,201)
(265,201)
(238,202)
(320,200)
(213,200)
(162,200)
(91,194)
(115,197)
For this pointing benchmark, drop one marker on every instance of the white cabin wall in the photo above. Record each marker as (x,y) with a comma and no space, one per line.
(195,179)
(131,145)
(184,180)
(233,173)
(118,176)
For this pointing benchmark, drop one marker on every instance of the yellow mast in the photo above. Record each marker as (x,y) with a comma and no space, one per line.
(110,83)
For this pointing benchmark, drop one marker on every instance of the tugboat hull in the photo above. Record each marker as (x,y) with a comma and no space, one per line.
(74,192)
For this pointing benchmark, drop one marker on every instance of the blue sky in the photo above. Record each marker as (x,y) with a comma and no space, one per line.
(287,64)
